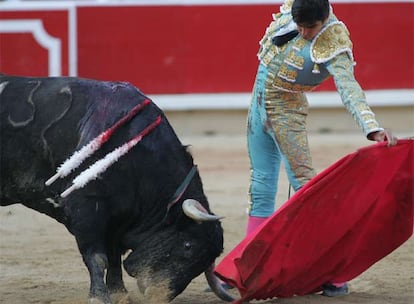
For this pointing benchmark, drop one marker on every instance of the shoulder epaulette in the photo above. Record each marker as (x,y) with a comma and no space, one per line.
(330,42)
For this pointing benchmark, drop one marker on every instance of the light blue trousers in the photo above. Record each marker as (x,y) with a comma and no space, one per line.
(276,132)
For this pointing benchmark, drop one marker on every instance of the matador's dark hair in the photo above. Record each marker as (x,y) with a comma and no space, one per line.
(308,12)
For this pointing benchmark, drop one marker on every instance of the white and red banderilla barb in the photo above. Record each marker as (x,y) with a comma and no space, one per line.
(79,156)
(101,165)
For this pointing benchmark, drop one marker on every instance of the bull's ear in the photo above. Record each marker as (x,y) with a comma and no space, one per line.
(194,210)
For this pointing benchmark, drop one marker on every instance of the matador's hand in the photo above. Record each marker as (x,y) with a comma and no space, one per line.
(385,135)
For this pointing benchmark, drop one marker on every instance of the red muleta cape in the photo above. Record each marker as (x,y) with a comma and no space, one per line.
(340,223)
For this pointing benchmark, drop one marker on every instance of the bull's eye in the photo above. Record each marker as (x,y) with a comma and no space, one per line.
(187,245)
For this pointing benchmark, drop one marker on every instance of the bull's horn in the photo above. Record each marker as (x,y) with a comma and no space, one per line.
(216,286)
(193,209)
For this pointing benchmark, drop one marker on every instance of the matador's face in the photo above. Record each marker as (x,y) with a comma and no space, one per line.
(309,31)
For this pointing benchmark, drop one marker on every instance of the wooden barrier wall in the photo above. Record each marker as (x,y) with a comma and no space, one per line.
(189,48)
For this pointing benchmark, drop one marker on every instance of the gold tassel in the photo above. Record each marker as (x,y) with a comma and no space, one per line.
(316,69)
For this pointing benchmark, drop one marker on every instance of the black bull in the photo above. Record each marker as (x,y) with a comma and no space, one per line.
(136,204)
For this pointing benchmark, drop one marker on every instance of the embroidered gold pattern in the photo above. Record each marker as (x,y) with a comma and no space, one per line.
(291,87)
(299,44)
(293,59)
(272,27)
(267,54)
(351,93)
(287,74)
(283,19)
(332,41)
(287,6)
(268,50)
(287,112)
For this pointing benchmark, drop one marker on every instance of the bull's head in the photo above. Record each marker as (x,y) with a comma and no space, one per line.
(175,255)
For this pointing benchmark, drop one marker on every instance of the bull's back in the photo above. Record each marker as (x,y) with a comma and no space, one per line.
(42,122)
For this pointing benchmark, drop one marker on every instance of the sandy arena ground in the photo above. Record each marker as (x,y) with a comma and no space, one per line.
(40,263)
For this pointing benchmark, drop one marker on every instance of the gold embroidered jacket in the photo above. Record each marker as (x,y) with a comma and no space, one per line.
(301,65)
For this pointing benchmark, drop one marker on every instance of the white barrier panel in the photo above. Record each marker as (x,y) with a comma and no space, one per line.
(236,101)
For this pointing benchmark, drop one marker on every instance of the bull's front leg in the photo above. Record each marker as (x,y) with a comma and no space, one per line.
(97,263)
(114,279)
